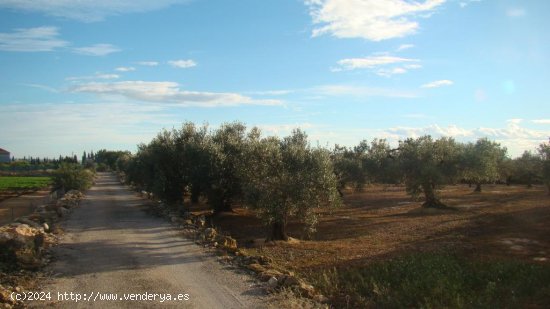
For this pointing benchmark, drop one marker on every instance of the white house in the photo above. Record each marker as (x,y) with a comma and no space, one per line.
(4,156)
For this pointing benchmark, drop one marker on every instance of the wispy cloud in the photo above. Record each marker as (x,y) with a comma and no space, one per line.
(87,10)
(169,92)
(97,50)
(516,12)
(39,39)
(464,4)
(125,69)
(42,87)
(182,64)
(373,20)
(541,121)
(361,91)
(148,63)
(92,77)
(383,65)
(438,83)
(403,47)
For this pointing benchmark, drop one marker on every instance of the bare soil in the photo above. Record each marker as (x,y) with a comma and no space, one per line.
(383,221)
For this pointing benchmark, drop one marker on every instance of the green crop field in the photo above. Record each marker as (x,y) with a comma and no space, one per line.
(23,183)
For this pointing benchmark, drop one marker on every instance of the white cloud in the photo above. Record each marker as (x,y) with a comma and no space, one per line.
(516,12)
(125,69)
(97,50)
(373,20)
(371,62)
(169,92)
(438,83)
(87,10)
(380,64)
(404,47)
(95,76)
(513,136)
(361,91)
(39,39)
(271,92)
(541,121)
(183,64)
(515,120)
(148,63)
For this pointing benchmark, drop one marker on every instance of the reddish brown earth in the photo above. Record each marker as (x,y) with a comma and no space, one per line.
(501,222)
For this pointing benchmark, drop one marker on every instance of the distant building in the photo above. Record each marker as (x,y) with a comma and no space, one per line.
(4,156)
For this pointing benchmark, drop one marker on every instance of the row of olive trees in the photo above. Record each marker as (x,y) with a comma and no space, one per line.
(285,178)
(425,165)
(279,178)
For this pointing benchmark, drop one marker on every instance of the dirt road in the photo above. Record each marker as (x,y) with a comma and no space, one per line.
(113,248)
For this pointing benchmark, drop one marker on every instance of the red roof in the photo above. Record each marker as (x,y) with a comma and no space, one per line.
(2,151)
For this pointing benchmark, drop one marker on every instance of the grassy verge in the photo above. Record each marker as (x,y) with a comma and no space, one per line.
(437,280)
(24,183)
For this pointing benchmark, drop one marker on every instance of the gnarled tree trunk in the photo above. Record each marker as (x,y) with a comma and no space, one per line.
(278,231)
(431,200)
(478,187)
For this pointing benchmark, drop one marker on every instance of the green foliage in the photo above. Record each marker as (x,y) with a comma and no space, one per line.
(287,178)
(24,183)
(527,169)
(72,176)
(348,167)
(438,280)
(225,154)
(427,165)
(481,161)
(380,162)
(544,152)
(106,159)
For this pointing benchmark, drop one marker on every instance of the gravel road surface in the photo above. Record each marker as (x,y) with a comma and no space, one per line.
(111,247)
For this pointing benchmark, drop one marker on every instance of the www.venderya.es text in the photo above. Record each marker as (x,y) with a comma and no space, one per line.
(98,296)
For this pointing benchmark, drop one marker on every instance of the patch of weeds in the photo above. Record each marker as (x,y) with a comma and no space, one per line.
(437,280)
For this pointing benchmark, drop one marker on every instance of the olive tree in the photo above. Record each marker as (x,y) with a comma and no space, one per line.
(527,168)
(427,165)
(481,162)
(380,163)
(287,178)
(544,152)
(225,153)
(348,167)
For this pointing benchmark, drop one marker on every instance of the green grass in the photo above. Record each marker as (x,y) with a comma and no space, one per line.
(438,280)
(23,183)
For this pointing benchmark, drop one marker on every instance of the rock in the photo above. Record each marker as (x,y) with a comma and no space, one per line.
(187,222)
(29,222)
(174,219)
(264,260)
(266,275)
(200,221)
(272,282)
(306,290)
(23,243)
(209,234)
(257,268)
(46,227)
(290,281)
(227,242)
(62,211)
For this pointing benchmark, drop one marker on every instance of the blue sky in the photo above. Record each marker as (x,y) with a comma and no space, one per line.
(87,75)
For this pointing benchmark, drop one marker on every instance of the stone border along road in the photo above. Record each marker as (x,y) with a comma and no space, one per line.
(111,246)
